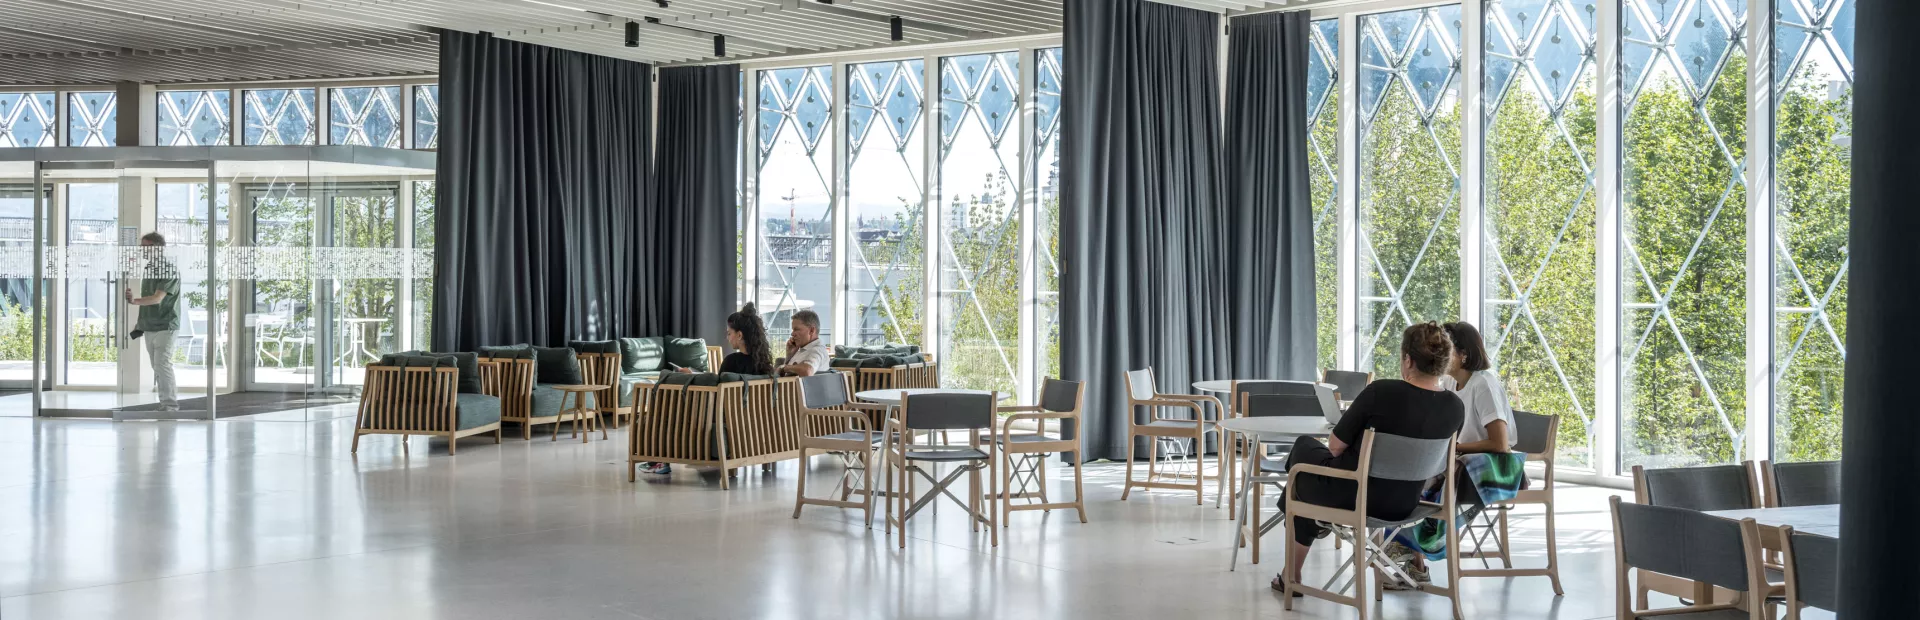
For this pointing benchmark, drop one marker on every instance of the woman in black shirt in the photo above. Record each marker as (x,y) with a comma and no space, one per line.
(1415,407)
(748,338)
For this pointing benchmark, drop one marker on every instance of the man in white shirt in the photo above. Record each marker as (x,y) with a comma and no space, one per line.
(806,352)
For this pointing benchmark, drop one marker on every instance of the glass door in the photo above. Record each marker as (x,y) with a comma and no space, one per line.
(135,324)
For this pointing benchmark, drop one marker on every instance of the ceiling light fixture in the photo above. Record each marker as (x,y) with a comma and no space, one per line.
(719,45)
(633,34)
(897,28)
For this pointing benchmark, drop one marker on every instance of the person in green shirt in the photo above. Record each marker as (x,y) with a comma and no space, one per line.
(159,316)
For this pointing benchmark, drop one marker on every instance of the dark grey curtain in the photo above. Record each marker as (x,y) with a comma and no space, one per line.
(543,187)
(1274,311)
(1142,221)
(696,172)
(1881,429)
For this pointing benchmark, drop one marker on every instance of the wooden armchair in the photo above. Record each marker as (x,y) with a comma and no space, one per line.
(604,369)
(424,401)
(1539,440)
(835,424)
(1141,393)
(1026,453)
(920,375)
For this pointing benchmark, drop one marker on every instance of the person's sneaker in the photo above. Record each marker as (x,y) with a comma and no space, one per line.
(1399,553)
(1419,573)
(659,468)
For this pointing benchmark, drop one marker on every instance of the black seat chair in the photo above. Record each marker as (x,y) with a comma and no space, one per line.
(1704,489)
(973,413)
(833,423)
(1025,476)
(1347,384)
(1536,436)
(1813,571)
(1284,401)
(1690,546)
(1800,484)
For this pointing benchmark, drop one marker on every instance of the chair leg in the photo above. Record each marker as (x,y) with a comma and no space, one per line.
(1040,479)
(1506,558)
(973,497)
(1553,552)
(406,447)
(1360,575)
(1127,486)
(1254,521)
(1286,563)
(1006,483)
(496,434)
(1079,496)
(993,525)
(1199,475)
(356,444)
(800,496)
(526,430)
(453,444)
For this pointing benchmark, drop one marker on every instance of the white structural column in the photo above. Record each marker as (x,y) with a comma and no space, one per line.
(1349,191)
(1030,340)
(1472,115)
(843,318)
(930,285)
(750,186)
(1760,197)
(1606,231)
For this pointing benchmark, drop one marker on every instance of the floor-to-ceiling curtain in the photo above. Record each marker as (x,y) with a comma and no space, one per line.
(1881,428)
(696,169)
(1142,219)
(544,184)
(1267,190)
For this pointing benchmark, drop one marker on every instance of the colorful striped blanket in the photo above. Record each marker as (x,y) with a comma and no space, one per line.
(1497,478)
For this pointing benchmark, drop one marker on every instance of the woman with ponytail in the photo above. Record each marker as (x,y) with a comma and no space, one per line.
(1415,406)
(748,338)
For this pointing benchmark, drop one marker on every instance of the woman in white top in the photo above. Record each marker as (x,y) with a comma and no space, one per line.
(1489,424)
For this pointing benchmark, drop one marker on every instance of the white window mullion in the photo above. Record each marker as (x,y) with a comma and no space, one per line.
(1605,434)
(750,183)
(841,223)
(1031,340)
(931,288)
(1760,197)
(1472,114)
(1349,190)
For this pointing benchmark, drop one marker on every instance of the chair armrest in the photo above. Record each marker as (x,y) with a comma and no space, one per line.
(1322,470)
(1007,408)
(1182,397)
(1049,415)
(1194,404)
(864,406)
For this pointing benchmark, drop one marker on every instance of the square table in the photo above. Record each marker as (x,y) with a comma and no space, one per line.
(1822,519)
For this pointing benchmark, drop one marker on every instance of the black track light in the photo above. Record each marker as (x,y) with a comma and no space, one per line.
(719,45)
(633,34)
(662,3)
(897,28)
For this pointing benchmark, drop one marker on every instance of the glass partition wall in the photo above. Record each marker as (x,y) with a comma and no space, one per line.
(293,273)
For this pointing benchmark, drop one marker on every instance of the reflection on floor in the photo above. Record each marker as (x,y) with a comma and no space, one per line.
(271,517)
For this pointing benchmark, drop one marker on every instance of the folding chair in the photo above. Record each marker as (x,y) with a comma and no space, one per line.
(1705,489)
(1258,399)
(1141,393)
(835,424)
(1692,547)
(937,412)
(1384,457)
(1537,436)
(1800,484)
(1813,571)
(1025,471)
(1347,384)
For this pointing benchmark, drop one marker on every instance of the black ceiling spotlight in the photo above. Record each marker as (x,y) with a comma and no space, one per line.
(662,3)
(897,28)
(633,34)
(719,45)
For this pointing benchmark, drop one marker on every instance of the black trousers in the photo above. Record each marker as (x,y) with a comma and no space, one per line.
(1386,499)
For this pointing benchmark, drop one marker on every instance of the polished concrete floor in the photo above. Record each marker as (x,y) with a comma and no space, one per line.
(271,517)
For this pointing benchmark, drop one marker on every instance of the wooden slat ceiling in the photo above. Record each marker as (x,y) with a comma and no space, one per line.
(69,42)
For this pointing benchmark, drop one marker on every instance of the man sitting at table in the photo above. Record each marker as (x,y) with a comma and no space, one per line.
(806,352)
(1416,407)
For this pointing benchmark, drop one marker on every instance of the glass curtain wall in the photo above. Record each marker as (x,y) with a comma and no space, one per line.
(1409,178)
(1628,310)
(911,200)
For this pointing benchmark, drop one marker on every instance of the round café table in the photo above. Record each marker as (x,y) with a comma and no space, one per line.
(1226,385)
(893,397)
(579,412)
(1275,429)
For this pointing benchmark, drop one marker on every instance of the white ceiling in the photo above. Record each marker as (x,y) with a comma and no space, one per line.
(60,42)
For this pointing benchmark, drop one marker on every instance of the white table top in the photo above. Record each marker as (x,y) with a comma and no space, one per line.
(1823,519)
(1277,427)
(1226,385)
(894,396)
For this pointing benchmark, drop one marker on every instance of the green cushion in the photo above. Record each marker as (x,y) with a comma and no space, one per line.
(412,360)
(885,349)
(594,346)
(688,353)
(702,379)
(469,365)
(844,362)
(512,351)
(474,410)
(557,365)
(627,381)
(734,377)
(642,354)
(546,400)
